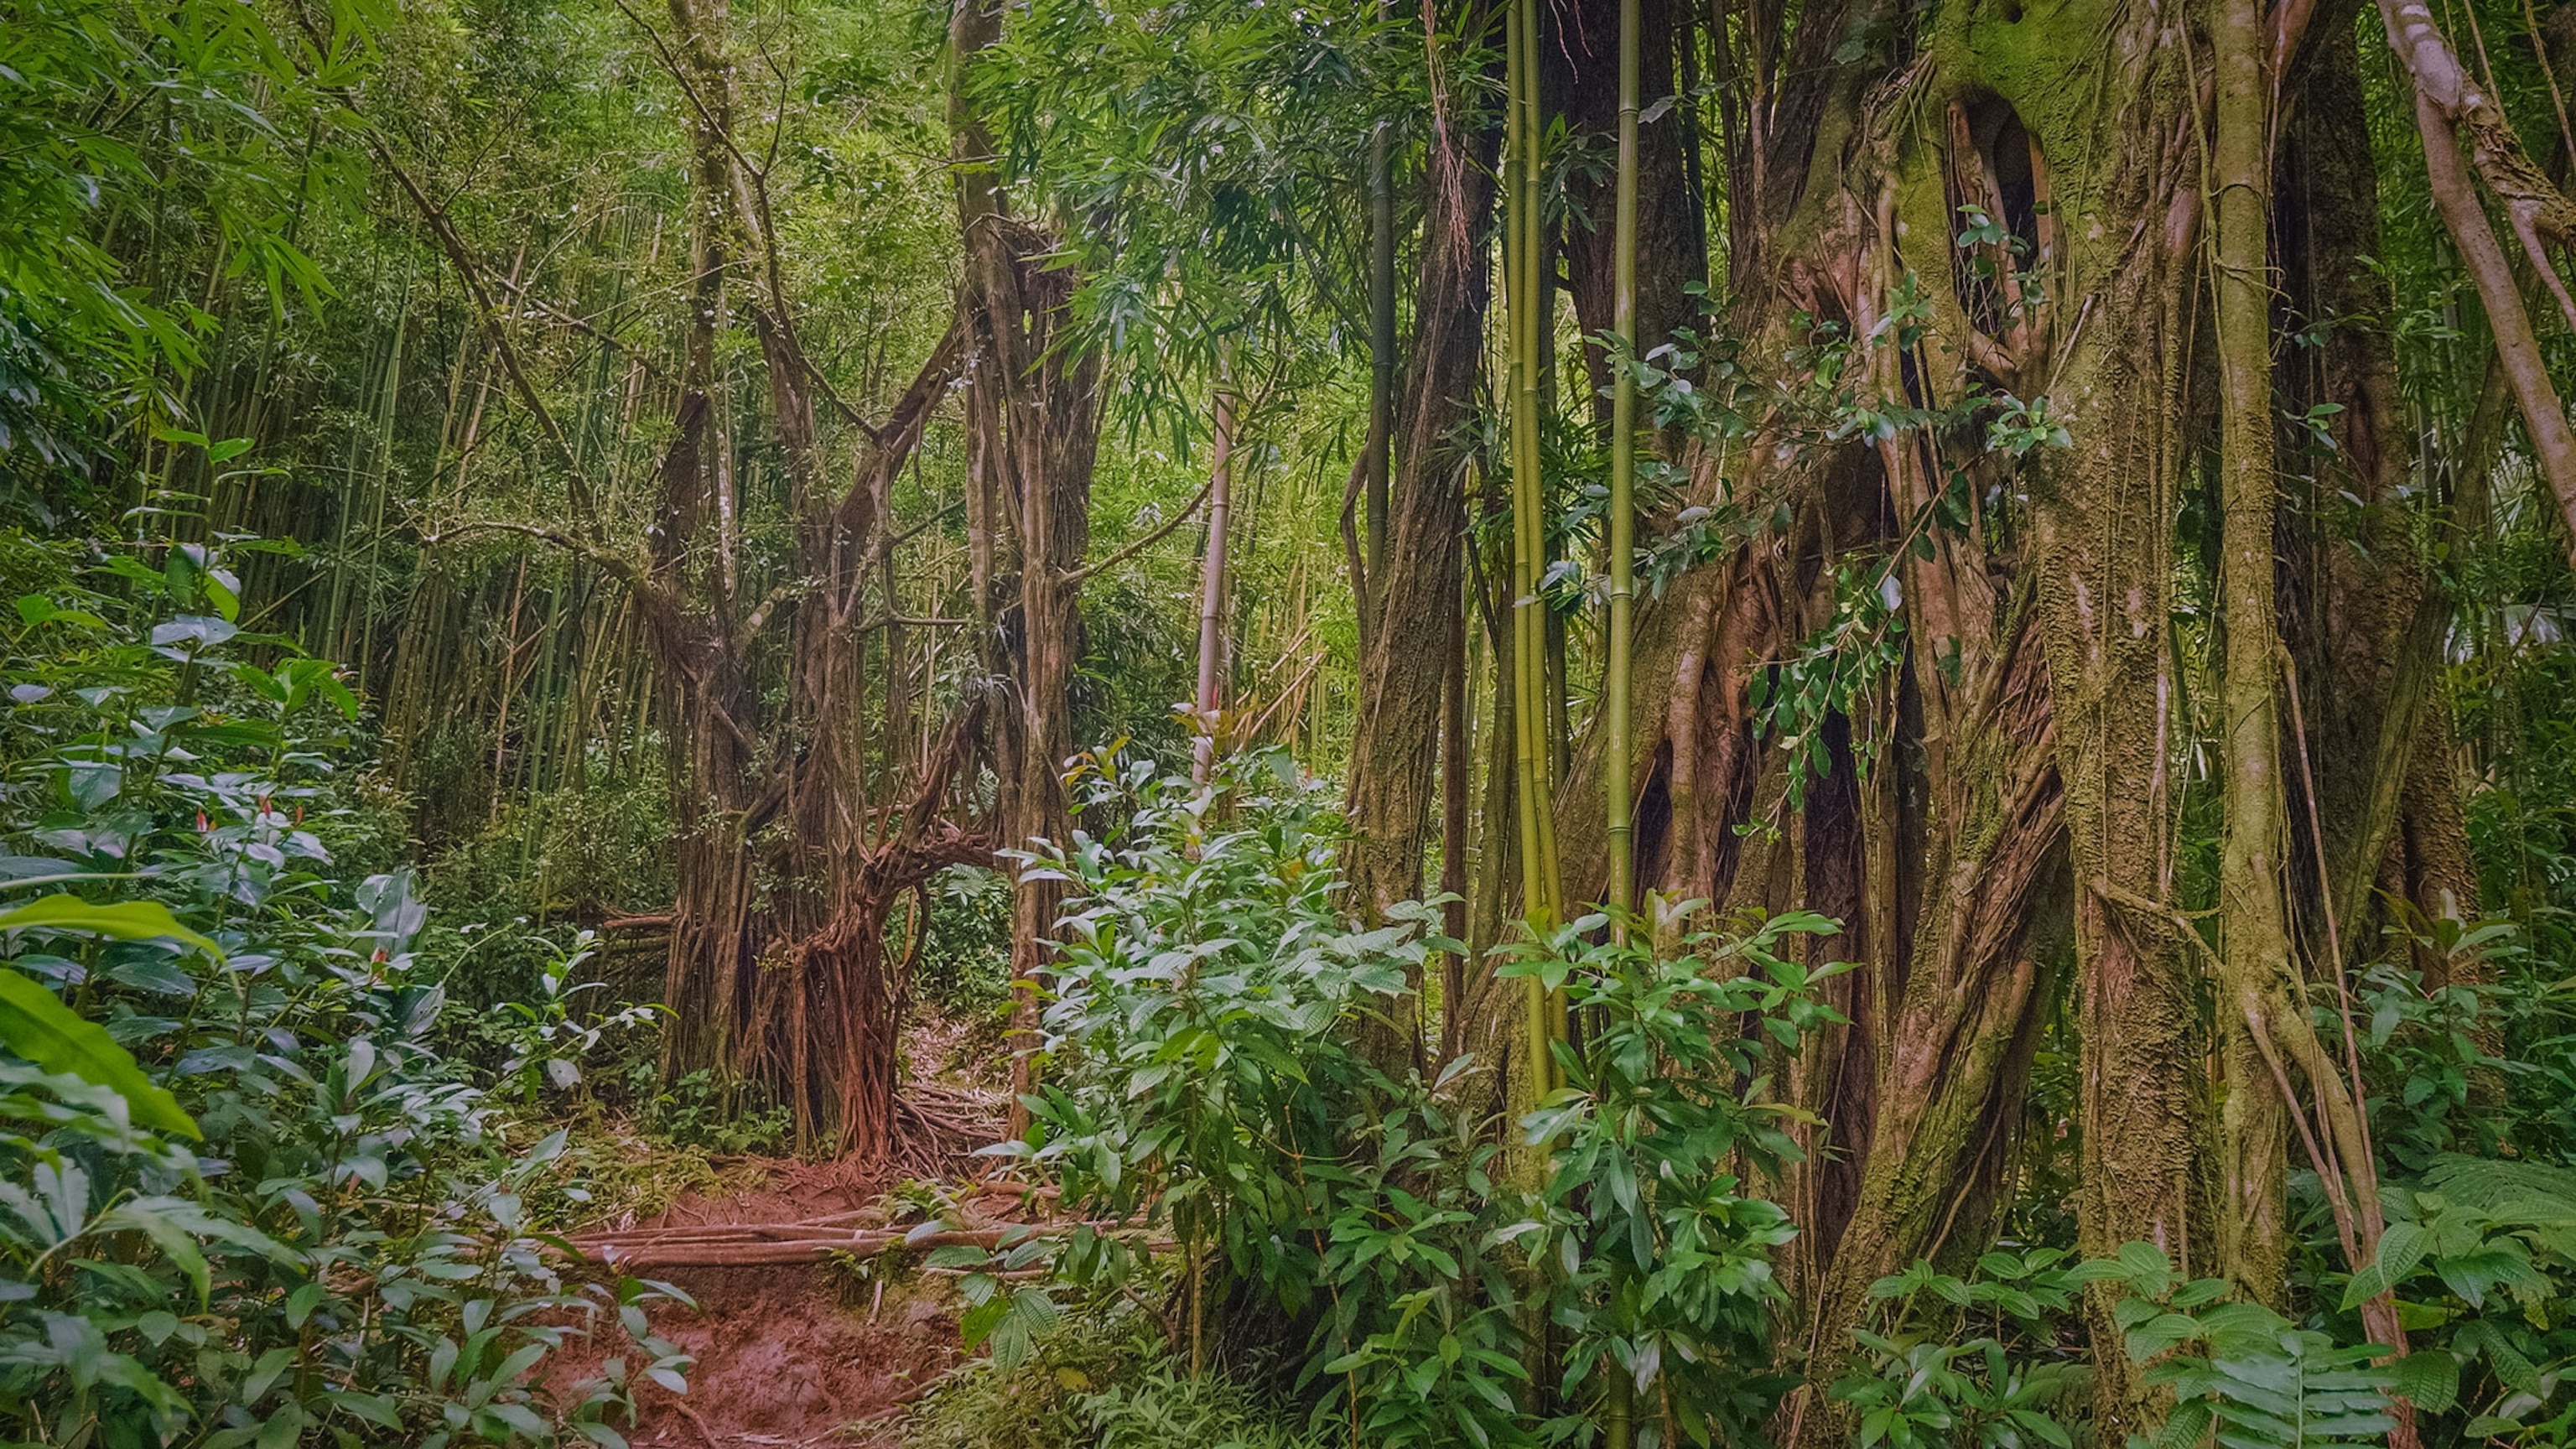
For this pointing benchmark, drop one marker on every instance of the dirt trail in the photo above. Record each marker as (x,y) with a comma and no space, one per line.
(791,1355)
(781,1360)
(797,1350)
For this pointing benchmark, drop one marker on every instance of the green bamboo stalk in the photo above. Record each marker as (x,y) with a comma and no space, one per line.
(383,482)
(1541,890)
(1619,1428)
(1617,735)
(1528,509)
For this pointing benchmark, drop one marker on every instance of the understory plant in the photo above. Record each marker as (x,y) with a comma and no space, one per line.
(1205,1083)
(245,1197)
(1654,1253)
(1971,1360)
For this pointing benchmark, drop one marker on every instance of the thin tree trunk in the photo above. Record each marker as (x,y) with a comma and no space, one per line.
(1210,699)
(2255,949)
(1618,773)
(1393,776)
(2444,100)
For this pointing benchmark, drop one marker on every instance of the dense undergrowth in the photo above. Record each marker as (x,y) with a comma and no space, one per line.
(327,984)
(1355,1256)
(261,1185)
(284,1155)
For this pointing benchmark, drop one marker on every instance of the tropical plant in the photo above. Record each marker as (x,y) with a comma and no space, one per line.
(1921,1380)
(2240,1371)
(250,1199)
(1654,1252)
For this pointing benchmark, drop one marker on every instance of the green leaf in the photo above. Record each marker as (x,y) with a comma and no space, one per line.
(40,1028)
(2430,1377)
(166,1235)
(2400,1249)
(123,921)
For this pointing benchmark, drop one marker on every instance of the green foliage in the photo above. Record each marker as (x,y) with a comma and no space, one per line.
(1916,1384)
(1212,144)
(547,1039)
(1835,672)
(1204,969)
(1656,1263)
(1195,1058)
(696,1112)
(2480,1257)
(344,1250)
(1164,1407)
(1201,1079)
(124,114)
(2240,1371)
(965,964)
(1100,1380)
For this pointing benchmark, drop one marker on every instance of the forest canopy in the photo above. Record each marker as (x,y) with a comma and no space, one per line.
(1462,722)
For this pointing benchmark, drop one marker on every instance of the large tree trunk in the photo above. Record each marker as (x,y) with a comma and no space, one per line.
(2022,785)
(2028,747)
(1033,431)
(1396,740)
(1581,58)
(777,976)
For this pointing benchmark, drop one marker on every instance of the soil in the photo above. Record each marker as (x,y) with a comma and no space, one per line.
(784,1359)
(801,1355)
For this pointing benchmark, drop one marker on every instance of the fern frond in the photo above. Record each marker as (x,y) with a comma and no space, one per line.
(2499,1187)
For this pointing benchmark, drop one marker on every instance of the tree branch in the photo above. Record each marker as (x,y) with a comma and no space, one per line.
(891,444)
(1148,541)
(584,501)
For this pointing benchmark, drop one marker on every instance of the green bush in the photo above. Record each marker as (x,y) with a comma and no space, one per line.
(1101,1379)
(1200,1080)
(965,965)
(311,1224)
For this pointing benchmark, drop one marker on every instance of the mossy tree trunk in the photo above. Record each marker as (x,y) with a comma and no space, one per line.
(791,845)
(1397,738)
(2014,843)
(1032,436)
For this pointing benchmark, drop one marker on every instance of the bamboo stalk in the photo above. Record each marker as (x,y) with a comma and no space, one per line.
(1618,760)
(1619,1427)
(383,482)
(1212,588)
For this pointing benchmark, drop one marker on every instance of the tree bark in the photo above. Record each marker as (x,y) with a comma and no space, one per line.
(1209,699)
(1582,54)
(2254,957)
(1033,423)
(1396,737)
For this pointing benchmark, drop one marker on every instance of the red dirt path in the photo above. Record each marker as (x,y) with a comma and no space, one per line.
(789,1356)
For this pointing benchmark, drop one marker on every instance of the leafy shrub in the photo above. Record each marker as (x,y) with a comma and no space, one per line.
(696,1112)
(1164,1406)
(1036,1402)
(1918,1383)
(1200,1079)
(326,1231)
(1657,1264)
(2239,1371)
(1099,1380)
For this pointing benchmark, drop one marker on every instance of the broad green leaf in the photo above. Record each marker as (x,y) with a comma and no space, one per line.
(40,1028)
(2400,1249)
(123,921)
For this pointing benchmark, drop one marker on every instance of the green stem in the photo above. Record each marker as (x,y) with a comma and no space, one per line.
(1615,688)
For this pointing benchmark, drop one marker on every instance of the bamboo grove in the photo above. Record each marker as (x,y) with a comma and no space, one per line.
(2078,493)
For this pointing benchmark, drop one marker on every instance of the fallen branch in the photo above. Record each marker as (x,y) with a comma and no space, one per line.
(757,1244)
